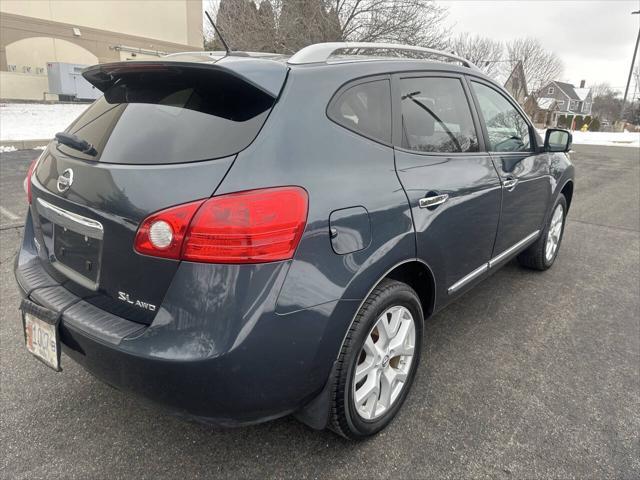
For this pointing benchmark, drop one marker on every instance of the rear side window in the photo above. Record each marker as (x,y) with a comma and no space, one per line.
(366,109)
(508,131)
(436,116)
(173,116)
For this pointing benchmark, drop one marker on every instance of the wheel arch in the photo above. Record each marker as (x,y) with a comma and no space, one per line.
(415,273)
(418,276)
(567,191)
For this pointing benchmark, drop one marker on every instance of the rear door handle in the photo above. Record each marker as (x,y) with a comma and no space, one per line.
(433,200)
(509,184)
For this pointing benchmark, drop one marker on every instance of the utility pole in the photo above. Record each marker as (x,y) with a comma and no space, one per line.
(633,61)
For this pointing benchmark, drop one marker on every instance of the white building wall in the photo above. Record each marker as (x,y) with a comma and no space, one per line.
(166,20)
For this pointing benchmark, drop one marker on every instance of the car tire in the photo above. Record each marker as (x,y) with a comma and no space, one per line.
(383,348)
(542,254)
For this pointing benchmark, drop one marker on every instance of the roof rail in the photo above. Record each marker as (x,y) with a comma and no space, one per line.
(320,52)
(223,53)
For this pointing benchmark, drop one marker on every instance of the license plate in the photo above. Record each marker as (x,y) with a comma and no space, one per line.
(42,340)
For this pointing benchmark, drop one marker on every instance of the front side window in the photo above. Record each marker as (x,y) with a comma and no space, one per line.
(436,116)
(508,131)
(366,109)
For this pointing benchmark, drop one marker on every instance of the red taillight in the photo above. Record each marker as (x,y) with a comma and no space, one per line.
(27,180)
(255,226)
(177,219)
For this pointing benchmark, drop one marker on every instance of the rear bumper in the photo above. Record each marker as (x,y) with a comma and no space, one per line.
(198,357)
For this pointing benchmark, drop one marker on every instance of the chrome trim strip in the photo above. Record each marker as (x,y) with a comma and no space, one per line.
(72,221)
(467,278)
(498,258)
(492,263)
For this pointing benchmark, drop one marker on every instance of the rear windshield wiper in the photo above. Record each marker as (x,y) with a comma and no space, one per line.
(75,142)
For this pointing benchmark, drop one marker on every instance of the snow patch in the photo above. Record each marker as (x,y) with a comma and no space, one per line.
(611,139)
(34,121)
(6,149)
(620,139)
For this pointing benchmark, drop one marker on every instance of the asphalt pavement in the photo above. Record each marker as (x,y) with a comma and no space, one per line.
(530,375)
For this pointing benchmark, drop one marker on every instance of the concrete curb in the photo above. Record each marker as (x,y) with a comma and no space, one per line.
(25,144)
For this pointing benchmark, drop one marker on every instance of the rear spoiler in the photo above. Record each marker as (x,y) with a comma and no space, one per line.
(266,75)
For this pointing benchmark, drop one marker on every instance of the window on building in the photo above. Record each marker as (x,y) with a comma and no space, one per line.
(436,116)
(551,91)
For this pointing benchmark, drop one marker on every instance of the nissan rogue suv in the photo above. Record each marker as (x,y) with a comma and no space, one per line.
(242,237)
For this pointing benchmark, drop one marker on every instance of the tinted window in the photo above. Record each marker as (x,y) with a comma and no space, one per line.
(366,109)
(508,131)
(436,116)
(172,117)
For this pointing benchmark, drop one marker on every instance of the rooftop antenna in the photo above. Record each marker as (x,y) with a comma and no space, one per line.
(224,44)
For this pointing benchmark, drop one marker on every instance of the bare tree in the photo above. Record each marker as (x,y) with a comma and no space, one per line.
(301,22)
(267,33)
(540,65)
(416,22)
(238,23)
(606,102)
(484,52)
(601,90)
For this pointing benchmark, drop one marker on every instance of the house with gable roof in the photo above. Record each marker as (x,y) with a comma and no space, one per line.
(516,84)
(561,98)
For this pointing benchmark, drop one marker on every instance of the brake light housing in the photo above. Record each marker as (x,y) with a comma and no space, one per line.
(253,226)
(27,180)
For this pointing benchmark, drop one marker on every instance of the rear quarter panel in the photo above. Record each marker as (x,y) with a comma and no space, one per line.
(299,145)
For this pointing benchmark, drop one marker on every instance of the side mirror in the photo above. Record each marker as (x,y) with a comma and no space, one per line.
(557,140)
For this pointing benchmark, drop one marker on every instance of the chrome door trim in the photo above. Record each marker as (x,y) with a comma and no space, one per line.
(72,221)
(493,262)
(428,202)
(522,243)
(467,278)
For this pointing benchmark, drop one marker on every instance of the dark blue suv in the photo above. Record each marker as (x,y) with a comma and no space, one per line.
(241,237)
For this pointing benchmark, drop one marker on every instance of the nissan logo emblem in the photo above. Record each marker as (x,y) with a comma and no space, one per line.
(65,180)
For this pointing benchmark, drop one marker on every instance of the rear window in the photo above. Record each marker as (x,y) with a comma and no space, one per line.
(366,109)
(174,116)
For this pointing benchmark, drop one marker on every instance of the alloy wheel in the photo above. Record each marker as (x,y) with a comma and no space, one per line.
(555,230)
(384,362)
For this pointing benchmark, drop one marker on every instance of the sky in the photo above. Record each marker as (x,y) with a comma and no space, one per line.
(593,38)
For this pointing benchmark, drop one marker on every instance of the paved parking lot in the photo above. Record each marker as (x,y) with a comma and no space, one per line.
(530,375)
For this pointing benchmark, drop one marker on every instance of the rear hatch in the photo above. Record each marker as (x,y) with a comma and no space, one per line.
(164,133)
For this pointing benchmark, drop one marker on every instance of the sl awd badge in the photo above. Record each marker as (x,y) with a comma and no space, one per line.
(123,296)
